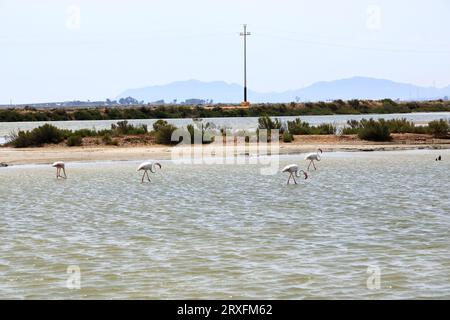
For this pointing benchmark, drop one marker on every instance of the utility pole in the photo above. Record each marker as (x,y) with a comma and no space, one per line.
(245,34)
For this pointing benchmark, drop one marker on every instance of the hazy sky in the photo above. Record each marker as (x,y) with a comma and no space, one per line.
(95,49)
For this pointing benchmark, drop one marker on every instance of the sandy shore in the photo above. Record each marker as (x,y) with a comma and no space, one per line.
(302,144)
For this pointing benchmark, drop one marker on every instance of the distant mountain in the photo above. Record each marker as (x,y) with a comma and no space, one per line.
(345,89)
(218,91)
(368,88)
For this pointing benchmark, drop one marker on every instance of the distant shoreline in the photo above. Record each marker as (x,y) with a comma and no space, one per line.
(302,144)
(145,111)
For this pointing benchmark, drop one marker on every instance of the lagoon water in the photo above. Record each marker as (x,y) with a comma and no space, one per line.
(226,231)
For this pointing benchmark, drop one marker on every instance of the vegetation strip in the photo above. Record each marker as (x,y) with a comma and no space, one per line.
(176,111)
(371,130)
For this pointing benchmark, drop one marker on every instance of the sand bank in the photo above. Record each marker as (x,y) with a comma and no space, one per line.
(302,144)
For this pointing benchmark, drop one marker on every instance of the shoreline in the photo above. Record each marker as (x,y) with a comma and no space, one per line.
(302,144)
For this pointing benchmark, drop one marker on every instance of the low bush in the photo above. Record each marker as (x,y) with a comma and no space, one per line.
(123,128)
(439,128)
(267,123)
(109,141)
(37,137)
(163,132)
(74,141)
(287,137)
(374,130)
(299,127)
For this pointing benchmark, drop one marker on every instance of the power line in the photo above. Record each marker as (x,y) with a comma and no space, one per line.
(344,46)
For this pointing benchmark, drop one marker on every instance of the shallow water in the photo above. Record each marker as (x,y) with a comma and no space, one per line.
(217,231)
(247,123)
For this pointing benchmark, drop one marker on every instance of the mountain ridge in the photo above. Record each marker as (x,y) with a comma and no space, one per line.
(357,87)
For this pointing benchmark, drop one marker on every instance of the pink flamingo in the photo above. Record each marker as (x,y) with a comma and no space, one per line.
(59,165)
(294,172)
(313,157)
(148,166)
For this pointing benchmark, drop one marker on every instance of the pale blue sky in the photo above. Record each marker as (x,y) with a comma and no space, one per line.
(46,56)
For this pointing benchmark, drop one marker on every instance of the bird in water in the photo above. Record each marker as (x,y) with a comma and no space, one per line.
(294,171)
(439,158)
(60,166)
(146,167)
(313,157)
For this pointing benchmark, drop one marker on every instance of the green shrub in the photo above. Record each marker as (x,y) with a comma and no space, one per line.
(201,130)
(73,141)
(394,125)
(159,124)
(438,128)
(401,126)
(287,137)
(124,128)
(37,137)
(265,122)
(21,139)
(298,127)
(325,128)
(109,141)
(46,134)
(353,127)
(374,130)
(163,132)
(84,133)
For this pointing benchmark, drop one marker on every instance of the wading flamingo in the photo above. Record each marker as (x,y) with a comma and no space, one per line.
(148,166)
(294,172)
(313,157)
(59,165)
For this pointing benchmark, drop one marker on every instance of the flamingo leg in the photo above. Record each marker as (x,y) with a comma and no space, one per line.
(314,165)
(142,181)
(57,173)
(148,177)
(293,176)
(65,175)
(289,179)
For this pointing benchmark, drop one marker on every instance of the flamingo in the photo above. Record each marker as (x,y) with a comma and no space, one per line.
(313,157)
(59,165)
(293,168)
(146,166)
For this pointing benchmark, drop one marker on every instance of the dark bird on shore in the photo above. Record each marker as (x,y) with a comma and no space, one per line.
(439,158)
(3,165)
